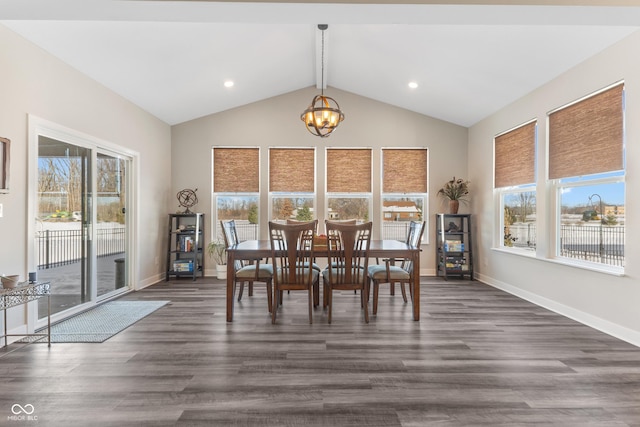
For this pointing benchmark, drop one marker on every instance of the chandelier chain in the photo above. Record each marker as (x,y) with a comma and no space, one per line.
(322,61)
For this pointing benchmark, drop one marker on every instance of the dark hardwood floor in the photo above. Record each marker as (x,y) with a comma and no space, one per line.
(478,357)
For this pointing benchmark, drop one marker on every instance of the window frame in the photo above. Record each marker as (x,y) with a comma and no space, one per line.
(272,195)
(425,215)
(216,231)
(500,193)
(367,196)
(348,195)
(556,186)
(409,195)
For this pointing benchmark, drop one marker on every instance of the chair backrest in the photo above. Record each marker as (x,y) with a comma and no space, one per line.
(295,221)
(348,249)
(292,252)
(230,235)
(414,238)
(340,221)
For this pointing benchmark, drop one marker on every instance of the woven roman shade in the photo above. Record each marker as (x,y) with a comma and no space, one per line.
(236,170)
(292,170)
(586,137)
(515,157)
(348,170)
(404,170)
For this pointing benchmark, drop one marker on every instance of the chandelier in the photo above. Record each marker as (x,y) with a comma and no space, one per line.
(323,114)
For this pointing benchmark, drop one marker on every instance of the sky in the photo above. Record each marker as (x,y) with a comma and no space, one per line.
(611,194)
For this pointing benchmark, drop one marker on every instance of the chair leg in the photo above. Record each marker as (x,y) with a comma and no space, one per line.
(330,303)
(316,294)
(269,296)
(325,295)
(365,298)
(276,304)
(241,291)
(404,292)
(311,298)
(375,297)
(250,289)
(392,289)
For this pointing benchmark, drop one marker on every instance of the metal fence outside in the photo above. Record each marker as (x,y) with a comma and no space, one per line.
(62,247)
(596,243)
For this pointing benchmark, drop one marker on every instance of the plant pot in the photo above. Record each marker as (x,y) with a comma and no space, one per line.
(453,206)
(221,272)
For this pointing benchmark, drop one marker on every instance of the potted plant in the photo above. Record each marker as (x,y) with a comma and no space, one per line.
(218,251)
(455,191)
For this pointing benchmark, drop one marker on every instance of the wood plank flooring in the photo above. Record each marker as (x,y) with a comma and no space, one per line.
(478,357)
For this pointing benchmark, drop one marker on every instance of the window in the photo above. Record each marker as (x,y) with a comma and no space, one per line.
(586,169)
(236,190)
(348,181)
(292,183)
(404,190)
(514,183)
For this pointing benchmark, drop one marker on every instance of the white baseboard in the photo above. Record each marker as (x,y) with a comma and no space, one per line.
(602,325)
(149,281)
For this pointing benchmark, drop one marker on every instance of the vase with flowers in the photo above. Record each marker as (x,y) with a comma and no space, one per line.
(455,191)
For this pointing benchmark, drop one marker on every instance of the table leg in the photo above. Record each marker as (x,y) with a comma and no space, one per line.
(416,286)
(230,273)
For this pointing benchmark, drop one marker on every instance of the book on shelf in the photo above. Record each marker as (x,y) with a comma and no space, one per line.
(453,246)
(183,266)
(185,244)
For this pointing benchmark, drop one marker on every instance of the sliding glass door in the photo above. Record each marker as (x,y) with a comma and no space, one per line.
(81,234)
(111,196)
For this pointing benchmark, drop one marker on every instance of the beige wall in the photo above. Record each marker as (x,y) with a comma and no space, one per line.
(276,122)
(35,83)
(605,301)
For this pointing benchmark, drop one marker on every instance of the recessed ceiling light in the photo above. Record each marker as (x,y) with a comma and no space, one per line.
(413,85)
(228,83)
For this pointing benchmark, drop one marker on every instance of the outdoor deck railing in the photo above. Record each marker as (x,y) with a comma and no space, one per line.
(603,244)
(596,243)
(62,247)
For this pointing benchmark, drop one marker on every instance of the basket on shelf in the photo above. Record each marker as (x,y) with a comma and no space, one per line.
(10,282)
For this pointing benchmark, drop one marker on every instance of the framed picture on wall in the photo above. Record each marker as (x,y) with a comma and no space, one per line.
(4,165)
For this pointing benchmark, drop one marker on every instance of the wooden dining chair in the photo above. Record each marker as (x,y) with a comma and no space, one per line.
(292,254)
(397,270)
(315,230)
(247,271)
(348,257)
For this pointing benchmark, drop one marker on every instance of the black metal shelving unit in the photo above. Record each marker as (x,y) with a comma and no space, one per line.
(185,251)
(454,251)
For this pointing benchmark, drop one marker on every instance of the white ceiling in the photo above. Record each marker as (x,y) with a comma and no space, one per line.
(171,58)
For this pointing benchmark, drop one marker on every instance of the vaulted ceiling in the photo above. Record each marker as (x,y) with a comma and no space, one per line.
(469,58)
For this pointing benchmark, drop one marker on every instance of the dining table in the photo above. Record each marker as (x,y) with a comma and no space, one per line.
(261,249)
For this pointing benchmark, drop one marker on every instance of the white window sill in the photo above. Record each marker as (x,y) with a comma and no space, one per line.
(605,269)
